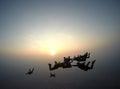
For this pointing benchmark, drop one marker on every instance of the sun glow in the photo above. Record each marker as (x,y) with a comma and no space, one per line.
(52,52)
(51,44)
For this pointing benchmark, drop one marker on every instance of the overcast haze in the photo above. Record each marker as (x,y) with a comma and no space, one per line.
(36,32)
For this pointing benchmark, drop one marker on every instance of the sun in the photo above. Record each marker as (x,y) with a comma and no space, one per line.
(52,52)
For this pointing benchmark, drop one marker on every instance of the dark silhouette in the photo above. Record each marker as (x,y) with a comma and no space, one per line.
(52,68)
(67,60)
(67,63)
(82,57)
(30,71)
(52,75)
(84,67)
(58,65)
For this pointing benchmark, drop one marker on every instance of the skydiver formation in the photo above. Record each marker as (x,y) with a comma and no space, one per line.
(80,63)
(80,60)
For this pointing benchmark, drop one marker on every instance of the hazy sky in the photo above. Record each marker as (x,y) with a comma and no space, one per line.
(41,26)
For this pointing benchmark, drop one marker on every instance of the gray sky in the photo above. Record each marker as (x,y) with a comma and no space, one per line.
(37,27)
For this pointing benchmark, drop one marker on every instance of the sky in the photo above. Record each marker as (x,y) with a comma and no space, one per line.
(34,33)
(44,27)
